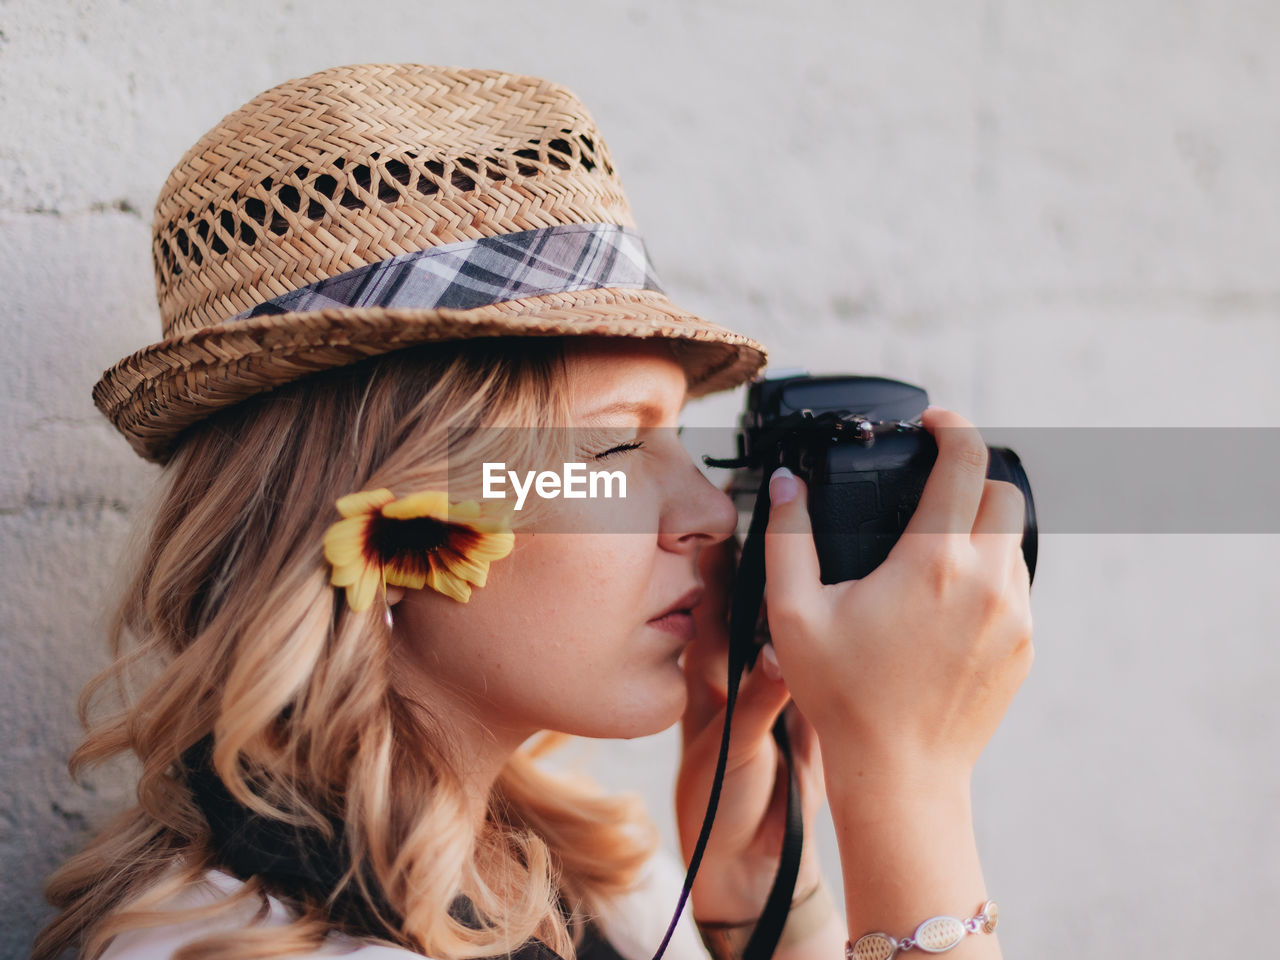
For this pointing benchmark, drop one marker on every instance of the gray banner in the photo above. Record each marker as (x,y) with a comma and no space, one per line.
(1082,479)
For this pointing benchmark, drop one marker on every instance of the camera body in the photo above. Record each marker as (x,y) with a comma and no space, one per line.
(858,444)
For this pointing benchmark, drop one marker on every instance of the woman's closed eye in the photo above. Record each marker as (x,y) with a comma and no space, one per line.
(620,448)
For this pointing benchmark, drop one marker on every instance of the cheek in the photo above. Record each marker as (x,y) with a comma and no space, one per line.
(560,604)
(557,638)
(566,582)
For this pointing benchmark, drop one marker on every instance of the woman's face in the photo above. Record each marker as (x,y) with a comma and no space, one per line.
(565,633)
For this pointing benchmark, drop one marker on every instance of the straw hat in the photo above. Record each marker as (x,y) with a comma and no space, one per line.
(371,207)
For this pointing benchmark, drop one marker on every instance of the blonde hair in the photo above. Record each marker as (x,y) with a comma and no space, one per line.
(229,612)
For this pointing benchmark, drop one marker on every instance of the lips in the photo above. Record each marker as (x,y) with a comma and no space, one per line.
(685,604)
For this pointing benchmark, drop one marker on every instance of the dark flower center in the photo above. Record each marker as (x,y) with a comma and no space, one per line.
(411,544)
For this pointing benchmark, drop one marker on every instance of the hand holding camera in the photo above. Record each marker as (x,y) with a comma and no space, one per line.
(894,572)
(908,670)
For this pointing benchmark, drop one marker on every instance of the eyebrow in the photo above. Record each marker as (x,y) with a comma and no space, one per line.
(645,411)
(627,406)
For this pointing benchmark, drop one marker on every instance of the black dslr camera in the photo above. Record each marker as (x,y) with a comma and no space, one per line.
(858,444)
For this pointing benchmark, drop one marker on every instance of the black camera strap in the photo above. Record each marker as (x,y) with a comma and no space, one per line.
(744,612)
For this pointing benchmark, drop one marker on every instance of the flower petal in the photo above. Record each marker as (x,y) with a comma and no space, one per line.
(466,510)
(466,567)
(429,503)
(344,541)
(493,519)
(365,501)
(448,584)
(400,577)
(492,546)
(361,593)
(344,576)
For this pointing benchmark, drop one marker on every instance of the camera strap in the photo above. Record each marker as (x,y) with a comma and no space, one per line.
(744,612)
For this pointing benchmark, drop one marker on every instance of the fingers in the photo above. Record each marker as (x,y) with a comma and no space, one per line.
(955,486)
(792,571)
(1003,509)
(997,531)
(997,539)
(762,695)
(761,698)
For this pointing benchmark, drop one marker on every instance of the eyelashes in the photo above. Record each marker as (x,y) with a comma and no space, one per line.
(620,448)
(629,445)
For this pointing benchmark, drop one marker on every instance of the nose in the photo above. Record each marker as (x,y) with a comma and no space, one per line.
(695,514)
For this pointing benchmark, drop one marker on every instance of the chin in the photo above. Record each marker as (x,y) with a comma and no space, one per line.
(643,714)
(663,711)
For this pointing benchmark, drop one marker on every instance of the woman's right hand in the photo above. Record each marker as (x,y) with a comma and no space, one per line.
(909,670)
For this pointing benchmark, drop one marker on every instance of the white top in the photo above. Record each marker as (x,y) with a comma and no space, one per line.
(634,923)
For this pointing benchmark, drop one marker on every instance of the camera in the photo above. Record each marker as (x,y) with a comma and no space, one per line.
(858,444)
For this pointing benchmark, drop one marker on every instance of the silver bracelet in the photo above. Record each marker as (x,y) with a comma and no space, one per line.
(935,935)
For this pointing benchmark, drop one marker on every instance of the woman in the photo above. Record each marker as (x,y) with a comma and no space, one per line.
(374,281)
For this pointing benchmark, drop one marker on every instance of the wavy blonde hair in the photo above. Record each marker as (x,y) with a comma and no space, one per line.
(229,614)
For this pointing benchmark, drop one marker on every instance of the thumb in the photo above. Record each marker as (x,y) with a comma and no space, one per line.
(792,572)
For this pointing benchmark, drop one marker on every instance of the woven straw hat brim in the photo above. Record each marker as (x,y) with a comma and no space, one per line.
(154,394)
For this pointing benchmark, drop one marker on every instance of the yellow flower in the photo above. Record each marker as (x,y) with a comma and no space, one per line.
(416,541)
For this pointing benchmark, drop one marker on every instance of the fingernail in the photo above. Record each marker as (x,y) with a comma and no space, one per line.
(782,486)
(769,662)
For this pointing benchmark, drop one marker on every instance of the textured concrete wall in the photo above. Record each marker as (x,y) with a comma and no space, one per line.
(1050,212)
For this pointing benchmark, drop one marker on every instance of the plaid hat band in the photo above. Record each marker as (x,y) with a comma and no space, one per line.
(485,271)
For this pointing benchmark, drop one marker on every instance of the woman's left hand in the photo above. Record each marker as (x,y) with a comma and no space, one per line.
(742,854)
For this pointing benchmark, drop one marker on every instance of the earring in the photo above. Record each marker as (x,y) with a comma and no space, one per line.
(387,617)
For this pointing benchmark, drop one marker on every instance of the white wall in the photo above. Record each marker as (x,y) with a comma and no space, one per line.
(1050,213)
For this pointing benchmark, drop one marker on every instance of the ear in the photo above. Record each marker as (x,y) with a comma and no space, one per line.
(394,595)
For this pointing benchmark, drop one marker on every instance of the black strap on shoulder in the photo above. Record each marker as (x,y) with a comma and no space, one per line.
(744,612)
